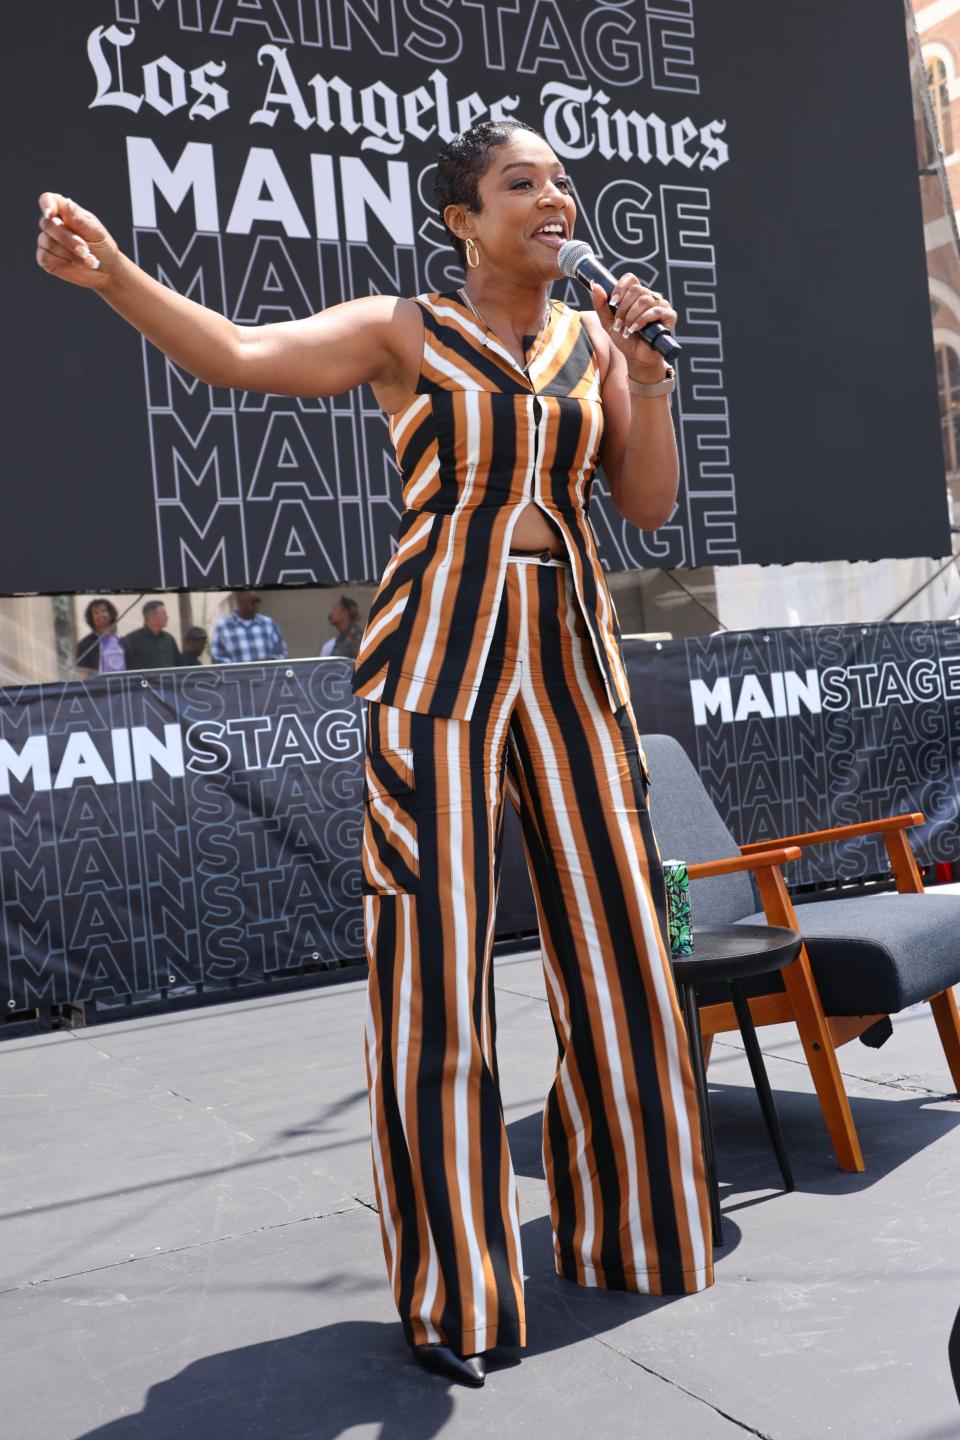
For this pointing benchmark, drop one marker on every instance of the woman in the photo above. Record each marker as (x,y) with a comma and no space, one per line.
(100,652)
(491,663)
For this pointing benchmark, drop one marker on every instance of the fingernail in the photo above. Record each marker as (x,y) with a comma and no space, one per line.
(616,327)
(92,261)
(615,298)
(69,204)
(629,331)
(47,211)
(57,221)
(83,252)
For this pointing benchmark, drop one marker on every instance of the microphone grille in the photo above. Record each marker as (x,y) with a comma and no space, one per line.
(570,254)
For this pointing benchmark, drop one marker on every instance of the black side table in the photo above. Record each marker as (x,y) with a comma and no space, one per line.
(732,953)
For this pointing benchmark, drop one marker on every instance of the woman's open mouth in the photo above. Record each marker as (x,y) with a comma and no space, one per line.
(552,233)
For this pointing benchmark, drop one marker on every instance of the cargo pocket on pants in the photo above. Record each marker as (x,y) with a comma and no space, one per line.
(391,855)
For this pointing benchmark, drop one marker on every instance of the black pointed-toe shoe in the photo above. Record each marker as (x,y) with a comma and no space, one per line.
(469,1370)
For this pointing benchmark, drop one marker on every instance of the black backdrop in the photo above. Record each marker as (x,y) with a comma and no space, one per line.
(778,206)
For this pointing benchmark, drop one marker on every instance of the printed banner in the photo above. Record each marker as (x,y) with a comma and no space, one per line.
(167,829)
(798,730)
(273,157)
(178,828)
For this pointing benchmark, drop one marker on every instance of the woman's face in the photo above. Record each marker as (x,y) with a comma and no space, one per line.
(525,188)
(100,616)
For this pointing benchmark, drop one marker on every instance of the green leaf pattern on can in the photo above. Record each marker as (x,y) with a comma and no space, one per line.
(679,924)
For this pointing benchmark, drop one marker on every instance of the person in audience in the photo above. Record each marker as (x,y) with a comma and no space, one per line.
(150,647)
(245,635)
(345,618)
(194,644)
(101,651)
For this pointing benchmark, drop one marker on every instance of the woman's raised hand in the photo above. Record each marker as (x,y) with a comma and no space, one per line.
(73,244)
(637,305)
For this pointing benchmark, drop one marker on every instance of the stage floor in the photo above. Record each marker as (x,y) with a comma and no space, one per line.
(189,1247)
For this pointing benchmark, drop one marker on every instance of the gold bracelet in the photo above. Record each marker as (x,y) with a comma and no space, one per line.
(650,392)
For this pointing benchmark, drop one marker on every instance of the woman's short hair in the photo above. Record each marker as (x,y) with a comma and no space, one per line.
(110,608)
(462,163)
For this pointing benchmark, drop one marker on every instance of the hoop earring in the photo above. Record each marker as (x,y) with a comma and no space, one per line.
(473,254)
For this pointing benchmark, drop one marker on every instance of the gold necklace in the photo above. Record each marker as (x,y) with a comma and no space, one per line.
(525,369)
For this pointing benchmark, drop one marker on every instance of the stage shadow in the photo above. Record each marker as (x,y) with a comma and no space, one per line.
(891,1131)
(323,1383)
(318,1384)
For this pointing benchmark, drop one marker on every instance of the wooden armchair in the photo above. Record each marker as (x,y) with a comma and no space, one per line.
(862,959)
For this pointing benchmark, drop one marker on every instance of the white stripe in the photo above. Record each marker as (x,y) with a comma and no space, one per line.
(382,882)
(461,946)
(543,361)
(372,631)
(583,1173)
(493,766)
(592,954)
(500,725)
(403,1058)
(421,526)
(401,421)
(393,727)
(446,367)
(466,322)
(513,1206)
(395,826)
(595,413)
(576,1115)
(417,488)
(652,941)
(485,338)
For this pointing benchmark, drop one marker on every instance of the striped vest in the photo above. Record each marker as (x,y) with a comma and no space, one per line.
(477,443)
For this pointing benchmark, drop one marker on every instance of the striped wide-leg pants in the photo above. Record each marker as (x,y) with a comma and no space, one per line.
(621,1129)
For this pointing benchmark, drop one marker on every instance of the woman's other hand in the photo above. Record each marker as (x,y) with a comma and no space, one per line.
(73,244)
(637,306)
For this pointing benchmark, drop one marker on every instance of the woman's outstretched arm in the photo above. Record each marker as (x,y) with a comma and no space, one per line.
(372,339)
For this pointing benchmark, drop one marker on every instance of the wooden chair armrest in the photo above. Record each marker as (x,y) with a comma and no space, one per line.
(840,832)
(705,869)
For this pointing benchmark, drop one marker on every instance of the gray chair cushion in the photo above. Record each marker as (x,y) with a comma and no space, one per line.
(872,955)
(688,827)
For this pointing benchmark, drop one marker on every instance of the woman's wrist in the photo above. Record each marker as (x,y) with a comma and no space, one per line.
(115,276)
(649,374)
(652,389)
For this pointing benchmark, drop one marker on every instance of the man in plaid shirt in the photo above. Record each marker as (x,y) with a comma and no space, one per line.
(246,635)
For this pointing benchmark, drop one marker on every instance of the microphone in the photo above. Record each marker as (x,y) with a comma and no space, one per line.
(577,260)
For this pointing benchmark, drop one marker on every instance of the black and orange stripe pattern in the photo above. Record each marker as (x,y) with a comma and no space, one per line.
(477,443)
(621,1127)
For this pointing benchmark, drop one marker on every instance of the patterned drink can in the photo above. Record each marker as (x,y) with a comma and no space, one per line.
(679,925)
